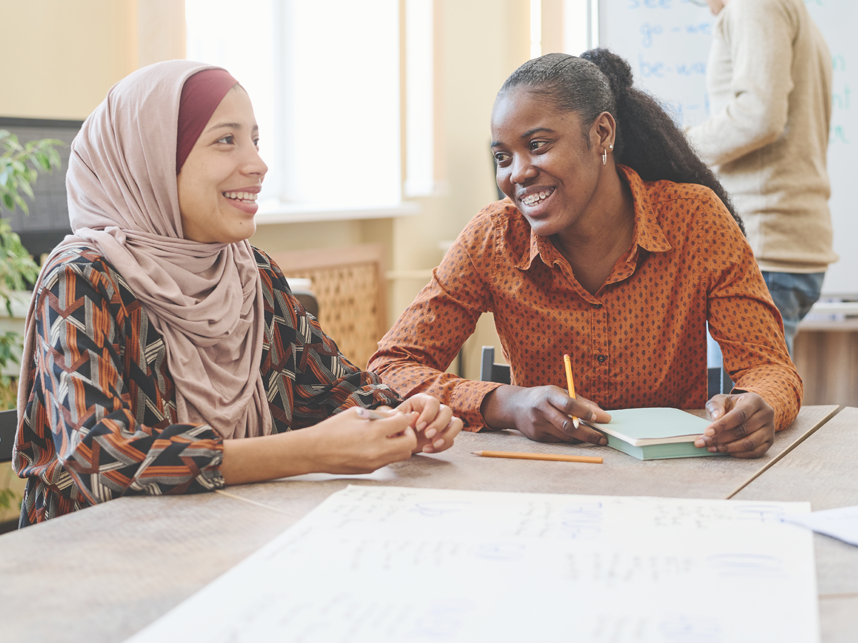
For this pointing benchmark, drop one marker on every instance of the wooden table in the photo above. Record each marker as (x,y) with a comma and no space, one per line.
(104,573)
(823,470)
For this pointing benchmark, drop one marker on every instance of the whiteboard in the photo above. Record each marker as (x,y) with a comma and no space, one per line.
(667,44)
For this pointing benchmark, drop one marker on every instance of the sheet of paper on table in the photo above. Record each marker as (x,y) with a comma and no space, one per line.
(380,564)
(841,523)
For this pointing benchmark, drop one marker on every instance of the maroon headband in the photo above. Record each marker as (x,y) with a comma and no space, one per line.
(201,95)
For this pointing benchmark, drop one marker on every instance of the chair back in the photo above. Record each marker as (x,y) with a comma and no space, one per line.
(489,370)
(717,379)
(8,427)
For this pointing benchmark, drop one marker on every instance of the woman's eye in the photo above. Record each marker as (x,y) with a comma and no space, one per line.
(535,145)
(501,157)
(226,139)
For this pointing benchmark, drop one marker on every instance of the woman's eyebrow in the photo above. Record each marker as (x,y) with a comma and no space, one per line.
(528,133)
(255,127)
(533,131)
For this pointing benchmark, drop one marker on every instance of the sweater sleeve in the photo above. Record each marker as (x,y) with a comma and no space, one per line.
(82,408)
(758,35)
(414,354)
(324,381)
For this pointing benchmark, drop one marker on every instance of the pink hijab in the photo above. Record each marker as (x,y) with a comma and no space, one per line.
(205,299)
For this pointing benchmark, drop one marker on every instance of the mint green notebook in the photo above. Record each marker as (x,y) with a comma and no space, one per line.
(656,433)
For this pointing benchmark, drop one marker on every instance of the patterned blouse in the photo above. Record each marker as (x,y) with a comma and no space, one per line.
(100,422)
(639,341)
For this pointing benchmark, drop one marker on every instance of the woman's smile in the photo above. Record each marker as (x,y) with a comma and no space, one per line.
(535,202)
(244,199)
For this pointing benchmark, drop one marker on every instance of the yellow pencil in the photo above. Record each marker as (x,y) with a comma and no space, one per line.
(568,364)
(539,456)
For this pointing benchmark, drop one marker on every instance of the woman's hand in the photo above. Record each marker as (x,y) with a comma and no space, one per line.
(743,426)
(349,443)
(436,427)
(543,414)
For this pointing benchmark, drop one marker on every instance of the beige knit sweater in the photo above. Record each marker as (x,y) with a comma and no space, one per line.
(769,81)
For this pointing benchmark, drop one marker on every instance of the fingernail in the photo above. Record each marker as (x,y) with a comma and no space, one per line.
(421,426)
(361,412)
(438,443)
(715,414)
(712,450)
(592,417)
(709,432)
(699,443)
(428,449)
(431,432)
(603,442)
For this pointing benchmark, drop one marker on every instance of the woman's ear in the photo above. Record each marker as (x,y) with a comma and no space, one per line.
(605,129)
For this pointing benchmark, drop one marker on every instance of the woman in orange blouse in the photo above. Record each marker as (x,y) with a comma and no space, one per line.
(616,244)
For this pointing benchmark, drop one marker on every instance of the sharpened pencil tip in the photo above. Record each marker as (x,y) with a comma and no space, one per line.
(477,452)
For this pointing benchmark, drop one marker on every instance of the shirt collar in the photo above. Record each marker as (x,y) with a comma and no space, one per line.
(648,233)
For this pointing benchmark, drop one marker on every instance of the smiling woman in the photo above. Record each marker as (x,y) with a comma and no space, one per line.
(616,245)
(222,174)
(163,353)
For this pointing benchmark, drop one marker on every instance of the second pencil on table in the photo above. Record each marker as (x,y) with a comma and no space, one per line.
(555,457)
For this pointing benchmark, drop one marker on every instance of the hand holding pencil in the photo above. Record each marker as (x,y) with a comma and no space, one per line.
(544,413)
(567,364)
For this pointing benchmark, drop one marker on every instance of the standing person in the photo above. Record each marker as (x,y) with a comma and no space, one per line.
(616,245)
(769,82)
(163,353)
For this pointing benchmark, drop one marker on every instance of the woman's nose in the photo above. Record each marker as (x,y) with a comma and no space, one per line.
(255,164)
(522,170)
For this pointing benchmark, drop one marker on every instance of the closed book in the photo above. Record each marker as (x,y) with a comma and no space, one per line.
(655,433)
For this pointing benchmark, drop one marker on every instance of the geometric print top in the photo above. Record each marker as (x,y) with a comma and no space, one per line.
(639,341)
(100,420)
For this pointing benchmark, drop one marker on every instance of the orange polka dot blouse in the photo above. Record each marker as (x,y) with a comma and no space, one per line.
(639,341)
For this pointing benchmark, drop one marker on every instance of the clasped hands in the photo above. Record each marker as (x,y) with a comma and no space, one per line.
(351,443)
(743,423)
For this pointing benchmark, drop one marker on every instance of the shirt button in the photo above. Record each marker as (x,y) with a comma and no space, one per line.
(601,358)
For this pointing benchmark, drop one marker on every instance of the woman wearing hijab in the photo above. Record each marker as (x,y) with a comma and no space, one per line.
(158,337)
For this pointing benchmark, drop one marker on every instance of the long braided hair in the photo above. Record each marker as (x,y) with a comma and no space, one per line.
(647,139)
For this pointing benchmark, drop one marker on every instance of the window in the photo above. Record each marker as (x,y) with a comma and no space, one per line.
(324,81)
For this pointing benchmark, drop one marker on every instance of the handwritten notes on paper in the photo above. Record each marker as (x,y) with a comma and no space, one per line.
(841,523)
(393,564)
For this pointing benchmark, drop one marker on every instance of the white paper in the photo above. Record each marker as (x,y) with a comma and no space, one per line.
(838,523)
(379,564)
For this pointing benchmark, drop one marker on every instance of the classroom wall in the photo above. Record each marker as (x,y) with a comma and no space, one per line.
(483,42)
(87,45)
(61,57)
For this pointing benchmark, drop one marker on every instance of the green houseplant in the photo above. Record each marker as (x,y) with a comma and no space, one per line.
(19,168)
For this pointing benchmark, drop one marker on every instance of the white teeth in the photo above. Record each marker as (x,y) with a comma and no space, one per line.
(533,199)
(241,196)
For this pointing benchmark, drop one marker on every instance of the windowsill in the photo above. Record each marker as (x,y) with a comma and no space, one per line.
(271,212)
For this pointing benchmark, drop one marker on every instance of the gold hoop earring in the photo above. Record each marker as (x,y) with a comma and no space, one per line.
(604,157)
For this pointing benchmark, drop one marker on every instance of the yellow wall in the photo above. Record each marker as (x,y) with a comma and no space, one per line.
(67,55)
(61,57)
(483,42)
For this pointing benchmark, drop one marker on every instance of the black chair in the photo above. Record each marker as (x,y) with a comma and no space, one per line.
(8,426)
(718,380)
(489,370)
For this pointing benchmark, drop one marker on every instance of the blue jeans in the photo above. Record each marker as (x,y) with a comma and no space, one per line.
(793,293)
